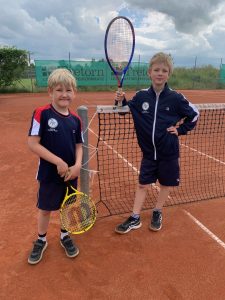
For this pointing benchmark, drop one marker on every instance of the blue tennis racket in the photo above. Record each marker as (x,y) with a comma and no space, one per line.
(119,47)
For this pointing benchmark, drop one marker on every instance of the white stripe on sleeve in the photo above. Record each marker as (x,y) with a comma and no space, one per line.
(196,110)
(35,128)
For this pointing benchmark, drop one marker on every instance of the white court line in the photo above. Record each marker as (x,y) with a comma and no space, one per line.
(205,229)
(183,145)
(124,159)
(204,154)
(137,171)
(115,152)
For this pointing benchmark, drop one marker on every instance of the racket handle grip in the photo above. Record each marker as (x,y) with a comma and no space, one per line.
(120,91)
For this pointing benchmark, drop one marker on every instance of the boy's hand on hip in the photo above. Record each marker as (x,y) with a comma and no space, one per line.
(172,130)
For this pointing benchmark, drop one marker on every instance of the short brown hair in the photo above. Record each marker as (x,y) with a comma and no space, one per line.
(161,57)
(61,76)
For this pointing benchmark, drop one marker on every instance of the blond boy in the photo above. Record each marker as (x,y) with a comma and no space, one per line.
(156,112)
(55,136)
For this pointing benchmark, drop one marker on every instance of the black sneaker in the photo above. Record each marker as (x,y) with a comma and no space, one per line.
(130,223)
(69,246)
(156,222)
(37,252)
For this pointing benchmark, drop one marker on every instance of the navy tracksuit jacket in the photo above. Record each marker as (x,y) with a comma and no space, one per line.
(153,114)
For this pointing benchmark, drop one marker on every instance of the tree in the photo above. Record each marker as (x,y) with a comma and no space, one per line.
(12,64)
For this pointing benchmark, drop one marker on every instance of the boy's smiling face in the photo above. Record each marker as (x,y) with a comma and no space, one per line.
(62,96)
(159,74)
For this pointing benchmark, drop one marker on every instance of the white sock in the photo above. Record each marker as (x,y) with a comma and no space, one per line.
(135,216)
(63,234)
(42,237)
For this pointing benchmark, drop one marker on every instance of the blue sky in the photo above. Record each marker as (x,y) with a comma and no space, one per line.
(190,31)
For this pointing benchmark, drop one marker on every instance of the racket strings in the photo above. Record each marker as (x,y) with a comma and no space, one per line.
(78,213)
(120,43)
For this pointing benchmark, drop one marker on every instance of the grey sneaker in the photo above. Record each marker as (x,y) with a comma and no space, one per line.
(130,223)
(156,221)
(37,252)
(69,246)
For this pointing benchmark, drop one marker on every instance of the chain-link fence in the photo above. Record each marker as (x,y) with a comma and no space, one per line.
(192,73)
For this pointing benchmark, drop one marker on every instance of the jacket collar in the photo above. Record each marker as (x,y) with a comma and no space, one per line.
(165,89)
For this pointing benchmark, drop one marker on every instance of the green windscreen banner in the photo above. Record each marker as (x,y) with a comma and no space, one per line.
(91,73)
(222,73)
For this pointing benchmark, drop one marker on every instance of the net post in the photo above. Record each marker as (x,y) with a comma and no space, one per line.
(84,172)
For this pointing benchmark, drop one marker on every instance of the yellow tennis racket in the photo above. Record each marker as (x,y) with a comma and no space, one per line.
(78,212)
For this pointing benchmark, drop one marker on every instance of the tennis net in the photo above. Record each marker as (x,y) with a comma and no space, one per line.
(202,159)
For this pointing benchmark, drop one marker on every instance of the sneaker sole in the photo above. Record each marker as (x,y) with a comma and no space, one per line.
(129,229)
(154,229)
(73,255)
(31,262)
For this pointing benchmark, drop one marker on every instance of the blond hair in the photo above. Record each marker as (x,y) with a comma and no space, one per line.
(61,76)
(164,58)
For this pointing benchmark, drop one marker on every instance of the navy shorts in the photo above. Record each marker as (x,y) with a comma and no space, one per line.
(51,194)
(166,172)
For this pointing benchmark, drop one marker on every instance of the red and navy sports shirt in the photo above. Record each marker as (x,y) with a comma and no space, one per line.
(59,134)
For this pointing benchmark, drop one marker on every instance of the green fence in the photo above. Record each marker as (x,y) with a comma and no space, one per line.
(222,73)
(91,73)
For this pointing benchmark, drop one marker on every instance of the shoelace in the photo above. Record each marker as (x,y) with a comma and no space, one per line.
(37,246)
(68,243)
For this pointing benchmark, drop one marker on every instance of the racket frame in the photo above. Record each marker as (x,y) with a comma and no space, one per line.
(67,196)
(122,72)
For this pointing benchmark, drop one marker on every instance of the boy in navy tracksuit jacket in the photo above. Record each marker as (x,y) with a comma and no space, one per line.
(156,111)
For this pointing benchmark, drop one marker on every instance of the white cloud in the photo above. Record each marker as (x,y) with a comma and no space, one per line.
(189,16)
(52,29)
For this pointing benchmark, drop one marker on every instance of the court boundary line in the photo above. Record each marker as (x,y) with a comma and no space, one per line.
(203,154)
(116,152)
(205,229)
(153,185)
(137,171)
(201,106)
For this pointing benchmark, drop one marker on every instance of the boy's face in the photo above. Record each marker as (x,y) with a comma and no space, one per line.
(159,74)
(62,96)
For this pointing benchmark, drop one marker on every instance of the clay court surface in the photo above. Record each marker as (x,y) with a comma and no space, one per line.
(185,260)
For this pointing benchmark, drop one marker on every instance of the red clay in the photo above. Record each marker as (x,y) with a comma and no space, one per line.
(182,261)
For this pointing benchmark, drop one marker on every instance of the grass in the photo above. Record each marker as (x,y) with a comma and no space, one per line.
(204,78)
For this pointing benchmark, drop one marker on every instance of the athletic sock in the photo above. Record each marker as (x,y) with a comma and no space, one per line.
(42,237)
(135,216)
(63,233)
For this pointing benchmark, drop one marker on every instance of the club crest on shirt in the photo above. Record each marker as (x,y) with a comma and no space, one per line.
(145,106)
(52,123)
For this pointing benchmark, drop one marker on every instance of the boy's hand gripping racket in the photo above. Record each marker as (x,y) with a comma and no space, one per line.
(78,212)
(119,47)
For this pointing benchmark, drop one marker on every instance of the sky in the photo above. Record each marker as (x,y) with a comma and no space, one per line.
(193,32)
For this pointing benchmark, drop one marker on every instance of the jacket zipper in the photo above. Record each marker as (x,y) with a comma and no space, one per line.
(154,122)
